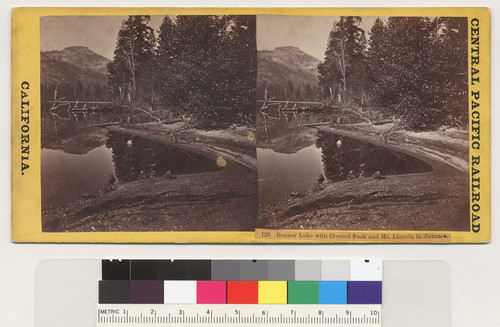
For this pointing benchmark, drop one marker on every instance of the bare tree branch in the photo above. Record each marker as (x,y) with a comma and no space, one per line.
(148,113)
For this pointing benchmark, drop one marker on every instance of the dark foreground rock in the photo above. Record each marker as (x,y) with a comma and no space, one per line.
(427,201)
(438,200)
(225,200)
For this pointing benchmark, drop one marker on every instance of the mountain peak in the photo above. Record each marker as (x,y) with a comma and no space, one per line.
(72,64)
(286,63)
(77,47)
(287,47)
(78,55)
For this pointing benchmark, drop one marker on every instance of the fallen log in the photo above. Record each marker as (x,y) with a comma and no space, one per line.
(316,124)
(173,121)
(105,124)
(382,122)
(77,101)
(303,109)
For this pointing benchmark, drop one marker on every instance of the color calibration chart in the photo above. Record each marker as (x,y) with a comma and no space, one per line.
(240,292)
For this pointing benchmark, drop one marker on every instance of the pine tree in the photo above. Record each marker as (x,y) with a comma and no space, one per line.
(419,69)
(165,52)
(130,71)
(344,58)
(376,57)
(209,67)
(237,68)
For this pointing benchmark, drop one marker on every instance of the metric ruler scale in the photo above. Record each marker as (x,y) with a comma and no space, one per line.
(142,293)
(144,315)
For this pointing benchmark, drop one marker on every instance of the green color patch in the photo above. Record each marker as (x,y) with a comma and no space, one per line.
(303,292)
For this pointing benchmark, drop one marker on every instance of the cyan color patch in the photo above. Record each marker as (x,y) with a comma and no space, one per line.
(332,292)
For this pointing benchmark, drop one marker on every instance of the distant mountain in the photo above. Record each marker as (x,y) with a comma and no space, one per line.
(71,65)
(285,64)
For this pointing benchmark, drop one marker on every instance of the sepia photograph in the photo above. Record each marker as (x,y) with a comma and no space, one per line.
(363,123)
(251,125)
(148,123)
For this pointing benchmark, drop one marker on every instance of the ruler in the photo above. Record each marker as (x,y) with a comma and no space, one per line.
(185,315)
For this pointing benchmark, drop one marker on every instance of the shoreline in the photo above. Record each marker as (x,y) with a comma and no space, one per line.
(436,200)
(225,199)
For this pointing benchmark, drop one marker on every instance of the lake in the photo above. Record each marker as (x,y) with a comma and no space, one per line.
(79,160)
(293,159)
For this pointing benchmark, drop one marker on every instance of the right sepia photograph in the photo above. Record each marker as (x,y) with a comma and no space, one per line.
(363,123)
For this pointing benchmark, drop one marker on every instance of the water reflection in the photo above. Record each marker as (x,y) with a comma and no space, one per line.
(281,174)
(65,176)
(346,158)
(272,123)
(76,159)
(79,132)
(137,158)
(292,155)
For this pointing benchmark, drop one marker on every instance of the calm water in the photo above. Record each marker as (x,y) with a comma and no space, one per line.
(292,157)
(147,159)
(78,159)
(281,174)
(65,176)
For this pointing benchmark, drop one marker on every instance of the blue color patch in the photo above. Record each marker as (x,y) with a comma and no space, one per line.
(332,292)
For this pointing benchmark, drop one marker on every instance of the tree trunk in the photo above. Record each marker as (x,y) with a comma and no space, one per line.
(132,61)
(342,68)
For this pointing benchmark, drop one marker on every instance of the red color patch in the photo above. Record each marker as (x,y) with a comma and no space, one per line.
(243,292)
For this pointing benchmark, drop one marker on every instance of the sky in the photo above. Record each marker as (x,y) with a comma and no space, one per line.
(308,33)
(98,33)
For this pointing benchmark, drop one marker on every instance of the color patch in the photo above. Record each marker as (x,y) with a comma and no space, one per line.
(211,292)
(198,270)
(272,292)
(366,292)
(179,291)
(334,292)
(281,270)
(308,270)
(366,269)
(157,269)
(147,291)
(225,270)
(242,292)
(253,270)
(336,270)
(114,291)
(303,292)
(115,269)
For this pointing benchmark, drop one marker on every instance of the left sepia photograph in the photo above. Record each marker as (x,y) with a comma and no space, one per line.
(148,123)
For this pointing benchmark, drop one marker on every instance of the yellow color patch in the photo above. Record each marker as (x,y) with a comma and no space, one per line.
(251,135)
(273,292)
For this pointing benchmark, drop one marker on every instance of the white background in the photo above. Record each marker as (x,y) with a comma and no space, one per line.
(475,277)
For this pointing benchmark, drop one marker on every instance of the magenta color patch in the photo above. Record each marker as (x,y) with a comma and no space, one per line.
(211,292)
